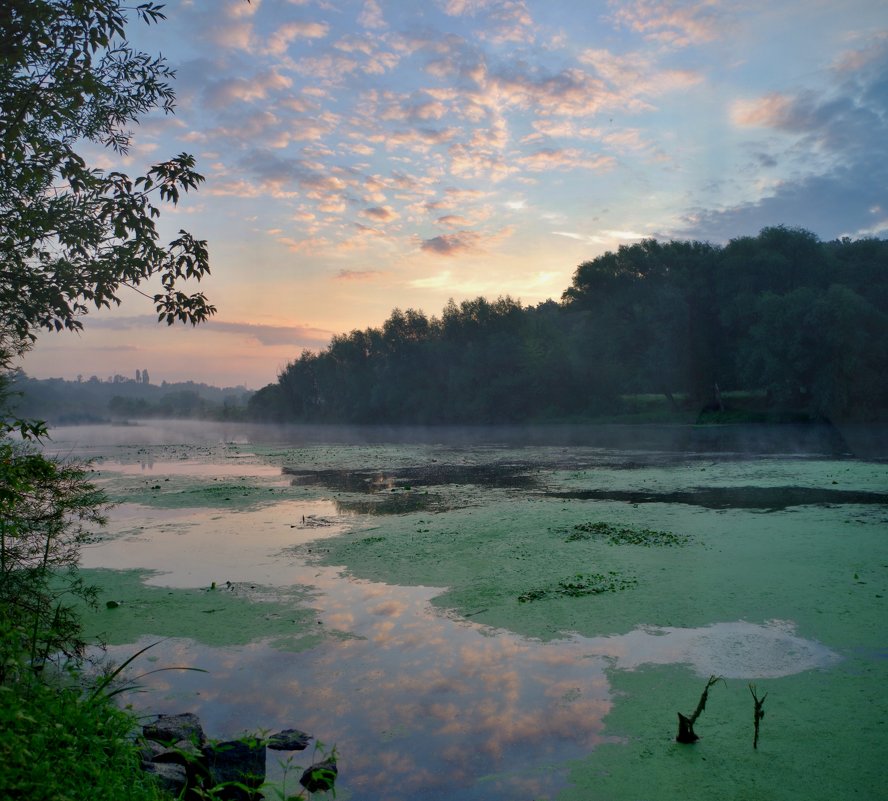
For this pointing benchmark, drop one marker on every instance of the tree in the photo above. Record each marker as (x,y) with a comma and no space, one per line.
(71,235)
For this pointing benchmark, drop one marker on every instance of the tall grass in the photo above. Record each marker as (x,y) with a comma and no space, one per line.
(56,747)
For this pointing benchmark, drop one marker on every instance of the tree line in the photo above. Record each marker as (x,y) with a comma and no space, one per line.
(58,401)
(799,324)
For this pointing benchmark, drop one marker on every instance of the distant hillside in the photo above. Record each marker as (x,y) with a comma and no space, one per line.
(59,401)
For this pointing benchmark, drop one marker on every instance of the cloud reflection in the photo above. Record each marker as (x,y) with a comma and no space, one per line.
(418,705)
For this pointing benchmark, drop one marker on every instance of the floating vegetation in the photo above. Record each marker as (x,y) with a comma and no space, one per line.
(625,535)
(579,585)
(767,499)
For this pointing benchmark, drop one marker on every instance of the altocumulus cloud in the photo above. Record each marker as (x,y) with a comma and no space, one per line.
(452,244)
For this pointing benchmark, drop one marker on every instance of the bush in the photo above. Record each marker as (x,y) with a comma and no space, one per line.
(55,745)
(46,508)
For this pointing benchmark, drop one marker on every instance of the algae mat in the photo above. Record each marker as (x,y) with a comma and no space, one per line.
(523,622)
(790,544)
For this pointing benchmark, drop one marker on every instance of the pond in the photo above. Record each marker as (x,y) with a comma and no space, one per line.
(507,614)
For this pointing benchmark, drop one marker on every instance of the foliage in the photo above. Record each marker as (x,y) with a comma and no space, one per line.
(71,235)
(781,315)
(56,747)
(46,508)
(109,685)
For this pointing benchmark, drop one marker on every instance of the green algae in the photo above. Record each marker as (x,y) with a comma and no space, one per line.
(159,492)
(802,541)
(235,614)
(805,750)
(818,558)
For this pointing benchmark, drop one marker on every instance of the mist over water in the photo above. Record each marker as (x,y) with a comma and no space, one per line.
(803,439)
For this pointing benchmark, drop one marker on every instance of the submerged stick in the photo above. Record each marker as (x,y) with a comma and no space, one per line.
(758,714)
(686,724)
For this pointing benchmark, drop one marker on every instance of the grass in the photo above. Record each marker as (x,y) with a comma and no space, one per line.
(55,744)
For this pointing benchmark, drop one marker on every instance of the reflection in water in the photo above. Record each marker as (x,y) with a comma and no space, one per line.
(737,650)
(418,705)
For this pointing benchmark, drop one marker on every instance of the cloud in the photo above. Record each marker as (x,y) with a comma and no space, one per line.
(605,237)
(232,35)
(376,61)
(452,244)
(273,335)
(635,78)
(766,111)
(565,159)
(381,213)
(224,92)
(839,137)
(371,15)
(462,242)
(846,201)
(672,23)
(359,275)
(452,220)
(266,335)
(280,40)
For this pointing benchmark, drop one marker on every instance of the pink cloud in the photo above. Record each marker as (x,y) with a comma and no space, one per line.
(565,159)
(452,244)
(225,92)
(672,22)
(371,15)
(358,275)
(768,111)
(381,213)
(281,39)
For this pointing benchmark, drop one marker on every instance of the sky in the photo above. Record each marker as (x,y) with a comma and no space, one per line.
(366,155)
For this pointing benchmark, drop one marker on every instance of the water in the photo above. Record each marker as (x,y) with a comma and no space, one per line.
(419,700)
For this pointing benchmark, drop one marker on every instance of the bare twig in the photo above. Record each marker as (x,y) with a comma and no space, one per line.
(758,714)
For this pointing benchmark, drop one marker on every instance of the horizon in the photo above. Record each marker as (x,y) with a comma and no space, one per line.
(363,156)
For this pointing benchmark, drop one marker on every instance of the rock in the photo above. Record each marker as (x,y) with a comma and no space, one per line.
(149,749)
(236,761)
(171,778)
(320,777)
(169,729)
(289,740)
(183,752)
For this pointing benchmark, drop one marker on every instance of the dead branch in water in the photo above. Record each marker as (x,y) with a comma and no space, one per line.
(758,714)
(686,724)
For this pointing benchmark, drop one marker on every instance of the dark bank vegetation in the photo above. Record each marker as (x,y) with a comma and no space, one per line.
(73,236)
(779,326)
(58,741)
